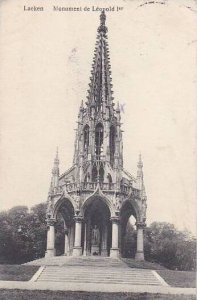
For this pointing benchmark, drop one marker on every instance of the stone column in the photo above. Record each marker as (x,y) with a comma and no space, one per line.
(140,241)
(104,241)
(85,240)
(88,240)
(114,251)
(77,250)
(50,251)
(71,238)
(66,243)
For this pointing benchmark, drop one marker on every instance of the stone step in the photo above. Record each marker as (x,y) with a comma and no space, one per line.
(78,273)
(139,282)
(98,275)
(79,261)
(93,274)
(101,280)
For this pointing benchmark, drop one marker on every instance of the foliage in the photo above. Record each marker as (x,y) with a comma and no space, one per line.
(170,247)
(59,236)
(165,245)
(129,241)
(22,234)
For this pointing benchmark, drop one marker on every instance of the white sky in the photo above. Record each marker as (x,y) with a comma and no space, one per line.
(46,60)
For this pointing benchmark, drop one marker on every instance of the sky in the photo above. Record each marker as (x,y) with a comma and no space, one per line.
(46,60)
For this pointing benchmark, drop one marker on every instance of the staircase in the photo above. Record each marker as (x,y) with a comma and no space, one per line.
(96,270)
(91,261)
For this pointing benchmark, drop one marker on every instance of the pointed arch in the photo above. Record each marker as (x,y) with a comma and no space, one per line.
(127,211)
(101,173)
(112,144)
(66,200)
(101,197)
(86,133)
(109,179)
(87,178)
(99,132)
(94,174)
(130,207)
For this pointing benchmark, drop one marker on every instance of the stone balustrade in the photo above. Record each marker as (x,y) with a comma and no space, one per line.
(90,186)
(105,186)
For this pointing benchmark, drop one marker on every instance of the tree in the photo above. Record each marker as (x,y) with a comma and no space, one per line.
(170,247)
(22,234)
(129,241)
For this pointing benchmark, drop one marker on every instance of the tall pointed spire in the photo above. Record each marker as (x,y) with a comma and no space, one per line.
(140,172)
(56,163)
(100,92)
(55,172)
(140,166)
(140,177)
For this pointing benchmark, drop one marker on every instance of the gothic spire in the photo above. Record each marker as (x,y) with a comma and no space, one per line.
(56,163)
(100,87)
(140,166)
(55,172)
(140,172)
(140,177)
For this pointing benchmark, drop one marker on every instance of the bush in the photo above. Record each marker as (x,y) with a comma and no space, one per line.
(22,234)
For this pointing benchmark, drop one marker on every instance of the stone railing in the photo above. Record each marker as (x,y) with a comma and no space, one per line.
(89,186)
(104,186)
(126,189)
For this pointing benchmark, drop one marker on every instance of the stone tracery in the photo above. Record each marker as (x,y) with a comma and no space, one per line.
(96,190)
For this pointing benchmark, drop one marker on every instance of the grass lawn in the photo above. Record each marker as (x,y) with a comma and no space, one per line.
(17,272)
(132,263)
(57,295)
(184,279)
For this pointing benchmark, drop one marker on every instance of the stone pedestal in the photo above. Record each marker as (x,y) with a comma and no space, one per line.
(95,250)
(140,242)
(104,241)
(85,241)
(66,244)
(114,251)
(71,238)
(50,239)
(104,252)
(77,250)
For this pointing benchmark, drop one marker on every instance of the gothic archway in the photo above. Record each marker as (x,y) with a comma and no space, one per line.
(64,227)
(96,231)
(128,218)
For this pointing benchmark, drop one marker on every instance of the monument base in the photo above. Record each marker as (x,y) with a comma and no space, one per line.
(104,252)
(77,251)
(50,253)
(95,250)
(114,252)
(139,256)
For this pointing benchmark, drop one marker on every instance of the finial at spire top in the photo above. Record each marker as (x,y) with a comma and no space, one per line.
(140,157)
(103,17)
(140,163)
(118,107)
(57,156)
(102,27)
